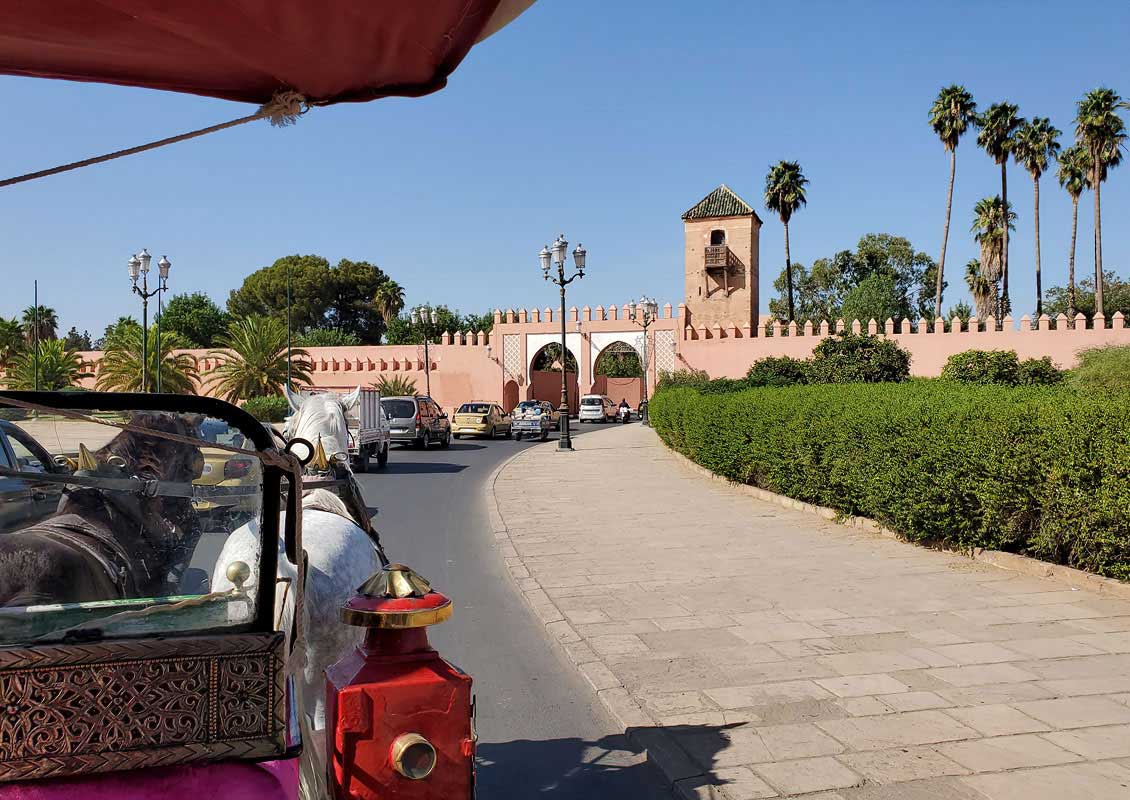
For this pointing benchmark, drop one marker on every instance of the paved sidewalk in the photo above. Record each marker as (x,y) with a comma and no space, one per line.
(758,651)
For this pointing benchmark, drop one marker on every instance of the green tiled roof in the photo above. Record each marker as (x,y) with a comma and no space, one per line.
(722,202)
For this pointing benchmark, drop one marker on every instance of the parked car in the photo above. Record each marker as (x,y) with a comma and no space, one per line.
(25,500)
(224,468)
(597,408)
(416,420)
(368,431)
(481,419)
(534,418)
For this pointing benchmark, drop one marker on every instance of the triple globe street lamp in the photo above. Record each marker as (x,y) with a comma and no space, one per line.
(555,256)
(422,316)
(644,312)
(139,269)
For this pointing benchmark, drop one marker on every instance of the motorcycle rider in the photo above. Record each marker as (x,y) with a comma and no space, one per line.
(625,410)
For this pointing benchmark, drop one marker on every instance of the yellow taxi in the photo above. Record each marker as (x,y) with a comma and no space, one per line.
(481,419)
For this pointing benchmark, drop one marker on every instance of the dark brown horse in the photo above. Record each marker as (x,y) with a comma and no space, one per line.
(106,544)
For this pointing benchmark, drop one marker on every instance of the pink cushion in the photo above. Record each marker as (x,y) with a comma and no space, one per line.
(232,780)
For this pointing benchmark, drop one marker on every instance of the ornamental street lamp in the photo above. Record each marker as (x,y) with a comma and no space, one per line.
(502,376)
(138,266)
(422,316)
(643,312)
(556,256)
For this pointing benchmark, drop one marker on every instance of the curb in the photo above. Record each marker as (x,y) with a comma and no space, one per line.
(659,747)
(1013,562)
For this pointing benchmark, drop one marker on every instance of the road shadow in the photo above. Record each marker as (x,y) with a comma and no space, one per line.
(614,766)
(466,446)
(422,468)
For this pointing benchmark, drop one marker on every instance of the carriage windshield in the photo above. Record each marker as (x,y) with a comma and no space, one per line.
(106,532)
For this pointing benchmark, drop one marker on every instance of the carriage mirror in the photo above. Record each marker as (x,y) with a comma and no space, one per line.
(300,449)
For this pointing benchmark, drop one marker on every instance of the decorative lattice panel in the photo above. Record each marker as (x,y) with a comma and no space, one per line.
(512,355)
(664,351)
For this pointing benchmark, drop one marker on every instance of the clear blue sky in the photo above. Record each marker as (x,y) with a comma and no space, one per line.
(605,120)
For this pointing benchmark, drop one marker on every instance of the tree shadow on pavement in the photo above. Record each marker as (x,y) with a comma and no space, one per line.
(614,766)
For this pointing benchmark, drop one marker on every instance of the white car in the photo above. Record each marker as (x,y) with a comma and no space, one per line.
(597,408)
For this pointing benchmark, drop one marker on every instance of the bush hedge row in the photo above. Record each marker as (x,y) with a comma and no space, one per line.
(1040,471)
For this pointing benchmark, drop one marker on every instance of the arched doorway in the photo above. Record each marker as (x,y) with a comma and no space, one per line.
(545,376)
(618,373)
(510,395)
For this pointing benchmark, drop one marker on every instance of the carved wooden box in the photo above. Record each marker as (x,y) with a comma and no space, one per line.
(84,708)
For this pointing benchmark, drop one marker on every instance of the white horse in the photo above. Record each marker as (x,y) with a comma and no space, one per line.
(340,557)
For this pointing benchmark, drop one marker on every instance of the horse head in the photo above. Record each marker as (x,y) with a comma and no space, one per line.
(320,417)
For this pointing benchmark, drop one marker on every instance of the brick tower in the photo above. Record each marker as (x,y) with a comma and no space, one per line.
(722,237)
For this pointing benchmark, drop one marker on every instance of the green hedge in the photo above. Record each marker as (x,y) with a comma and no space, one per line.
(1041,471)
(273,408)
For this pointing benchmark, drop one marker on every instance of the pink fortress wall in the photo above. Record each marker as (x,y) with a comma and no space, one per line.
(728,352)
(462,370)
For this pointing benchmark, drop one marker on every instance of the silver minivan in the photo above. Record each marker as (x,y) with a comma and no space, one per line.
(596,408)
(417,421)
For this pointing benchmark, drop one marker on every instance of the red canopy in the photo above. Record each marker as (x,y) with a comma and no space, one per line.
(327,50)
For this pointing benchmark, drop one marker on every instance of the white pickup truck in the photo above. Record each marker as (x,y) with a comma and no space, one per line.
(368,431)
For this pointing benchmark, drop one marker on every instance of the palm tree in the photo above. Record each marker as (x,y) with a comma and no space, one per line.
(1099,129)
(48,323)
(983,290)
(1036,143)
(998,124)
(784,195)
(395,386)
(119,370)
(989,232)
(389,299)
(253,360)
(1074,173)
(59,367)
(951,116)
(11,340)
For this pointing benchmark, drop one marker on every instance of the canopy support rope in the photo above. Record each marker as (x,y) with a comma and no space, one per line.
(283,109)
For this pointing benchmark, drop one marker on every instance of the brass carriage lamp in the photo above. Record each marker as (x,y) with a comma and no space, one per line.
(399,718)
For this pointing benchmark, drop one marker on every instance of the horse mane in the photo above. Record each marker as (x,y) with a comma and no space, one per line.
(325,500)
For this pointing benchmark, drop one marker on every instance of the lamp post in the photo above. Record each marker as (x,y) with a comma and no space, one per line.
(644,312)
(502,378)
(422,316)
(139,268)
(556,258)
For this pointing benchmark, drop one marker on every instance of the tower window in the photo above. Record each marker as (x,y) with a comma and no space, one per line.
(717,237)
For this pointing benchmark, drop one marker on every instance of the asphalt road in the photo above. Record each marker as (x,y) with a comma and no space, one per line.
(541,729)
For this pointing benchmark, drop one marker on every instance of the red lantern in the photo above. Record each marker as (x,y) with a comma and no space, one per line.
(399,717)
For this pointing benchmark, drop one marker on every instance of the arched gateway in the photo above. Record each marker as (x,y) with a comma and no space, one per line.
(545,376)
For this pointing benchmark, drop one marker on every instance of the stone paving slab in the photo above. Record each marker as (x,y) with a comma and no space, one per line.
(757,650)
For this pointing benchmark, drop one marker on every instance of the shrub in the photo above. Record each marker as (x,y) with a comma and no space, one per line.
(983,367)
(1001,367)
(395,386)
(777,371)
(272,408)
(681,377)
(1039,372)
(858,358)
(724,385)
(1042,471)
(1106,369)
